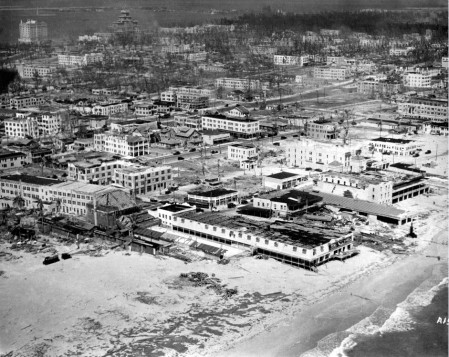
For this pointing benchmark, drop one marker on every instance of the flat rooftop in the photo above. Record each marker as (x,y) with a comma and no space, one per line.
(175,208)
(279,231)
(393,140)
(282,175)
(212,193)
(35,180)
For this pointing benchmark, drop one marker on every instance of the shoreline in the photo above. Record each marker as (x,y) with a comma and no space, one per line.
(414,269)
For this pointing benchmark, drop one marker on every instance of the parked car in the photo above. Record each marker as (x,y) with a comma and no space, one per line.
(295,136)
(176,153)
(276,144)
(416,155)
(51,260)
(283,137)
(231,205)
(180,158)
(428,152)
(214,152)
(197,182)
(192,150)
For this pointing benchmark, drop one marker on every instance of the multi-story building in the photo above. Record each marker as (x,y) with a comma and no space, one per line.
(11,159)
(291,243)
(282,60)
(434,109)
(26,101)
(238,83)
(33,31)
(126,25)
(320,155)
(394,51)
(141,180)
(335,60)
(238,127)
(212,199)
(168,96)
(195,56)
(241,152)
(321,130)
(189,121)
(372,86)
(418,80)
(359,186)
(202,92)
(110,108)
(121,144)
(331,73)
(445,62)
(28,71)
(36,125)
(400,147)
(329,32)
(77,59)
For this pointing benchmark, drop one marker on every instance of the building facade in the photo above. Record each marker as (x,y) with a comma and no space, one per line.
(241,152)
(33,31)
(434,109)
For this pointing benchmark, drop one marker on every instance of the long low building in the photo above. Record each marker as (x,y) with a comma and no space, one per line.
(213,198)
(284,241)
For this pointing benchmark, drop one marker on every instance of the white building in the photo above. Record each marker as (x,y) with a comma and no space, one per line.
(77,59)
(360,186)
(282,180)
(35,125)
(239,127)
(320,155)
(110,108)
(26,101)
(445,62)
(399,147)
(282,60)
(125,145)
(434,109)
(28,71)
(33,31)
(242,84)
(11,159)
(331,73)
(214,198)
(241,152)
(418,80)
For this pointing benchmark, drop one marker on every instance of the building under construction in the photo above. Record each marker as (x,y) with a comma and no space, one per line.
(291,243)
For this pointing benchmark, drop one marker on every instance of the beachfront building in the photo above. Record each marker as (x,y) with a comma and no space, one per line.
(110,108)
(215,198)
(282,180)
(400,147)
(434,109)
(287,242)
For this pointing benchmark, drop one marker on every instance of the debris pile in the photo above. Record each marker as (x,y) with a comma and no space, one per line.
(203,279)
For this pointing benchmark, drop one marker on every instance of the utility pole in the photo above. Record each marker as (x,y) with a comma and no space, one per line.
(218,170)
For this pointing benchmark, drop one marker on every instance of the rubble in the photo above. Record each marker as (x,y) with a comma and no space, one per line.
(203,279)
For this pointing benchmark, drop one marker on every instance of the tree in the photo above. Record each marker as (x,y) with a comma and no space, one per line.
(40,207)
(36,78)
(18,202)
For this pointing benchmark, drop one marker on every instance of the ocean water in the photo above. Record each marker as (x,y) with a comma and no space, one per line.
(413,330)
(416,327)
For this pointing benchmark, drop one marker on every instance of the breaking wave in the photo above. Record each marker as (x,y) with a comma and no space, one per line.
(384,322)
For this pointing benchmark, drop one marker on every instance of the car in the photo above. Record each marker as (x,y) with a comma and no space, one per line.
(428,152)
(295,136)
(309,169)
(276,144)
(244,202)
(416,155)
(197,182)
(180,158)
(51,260)
(66,256)
(214,152)
(192,150)
(231,205)
(283,137)
(176,153)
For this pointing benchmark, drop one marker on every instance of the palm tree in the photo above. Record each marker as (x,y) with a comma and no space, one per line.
(18,202)
(40,206)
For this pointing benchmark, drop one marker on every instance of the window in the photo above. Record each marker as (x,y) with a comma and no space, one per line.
(206,226)
(248,237)
(223,230)
(295,249)
(275,244)
(314,251)
(257,240)
(214,229)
